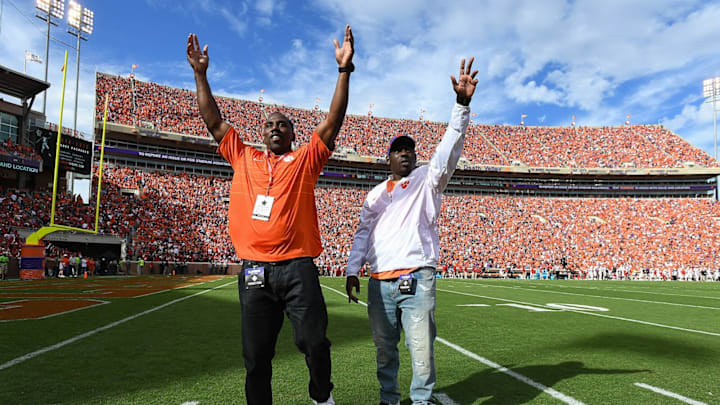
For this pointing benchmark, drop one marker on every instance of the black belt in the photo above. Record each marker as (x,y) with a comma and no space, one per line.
(254,263)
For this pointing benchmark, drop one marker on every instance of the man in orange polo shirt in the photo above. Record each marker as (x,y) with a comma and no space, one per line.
(273,226)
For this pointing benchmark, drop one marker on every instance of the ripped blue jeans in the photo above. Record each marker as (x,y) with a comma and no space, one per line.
(389,311)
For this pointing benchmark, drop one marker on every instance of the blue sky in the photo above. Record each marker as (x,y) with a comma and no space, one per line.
(550,59)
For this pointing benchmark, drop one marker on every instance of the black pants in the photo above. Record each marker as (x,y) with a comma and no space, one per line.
(291,287)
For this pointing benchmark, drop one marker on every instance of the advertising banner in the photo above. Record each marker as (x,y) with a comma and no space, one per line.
(75,153)
(19,164)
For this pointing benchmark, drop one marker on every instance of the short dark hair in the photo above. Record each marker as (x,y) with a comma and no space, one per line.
(292,126)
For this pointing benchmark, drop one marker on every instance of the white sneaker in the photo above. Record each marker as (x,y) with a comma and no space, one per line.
(330,401)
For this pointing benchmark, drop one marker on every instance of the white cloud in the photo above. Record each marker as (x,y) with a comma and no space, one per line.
(690,116)
(266,9)
(235,21)
(531,92)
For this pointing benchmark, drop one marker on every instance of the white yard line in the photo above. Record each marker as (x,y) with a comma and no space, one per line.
(555,394)
(669,394)
(589,313)
(100,329)
(170,289)
(605,297)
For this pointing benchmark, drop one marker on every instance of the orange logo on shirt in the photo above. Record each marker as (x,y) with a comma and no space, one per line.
(404,184)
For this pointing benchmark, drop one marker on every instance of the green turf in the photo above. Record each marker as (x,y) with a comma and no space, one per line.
(190,350)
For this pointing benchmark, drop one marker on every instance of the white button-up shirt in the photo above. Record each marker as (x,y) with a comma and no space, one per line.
(398,229)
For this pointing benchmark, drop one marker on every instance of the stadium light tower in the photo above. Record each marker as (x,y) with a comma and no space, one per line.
(711,91)
(81,20)
(49,8)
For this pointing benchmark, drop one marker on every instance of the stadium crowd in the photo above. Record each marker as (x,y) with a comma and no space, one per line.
(180,217)
(10,148)
(632,146)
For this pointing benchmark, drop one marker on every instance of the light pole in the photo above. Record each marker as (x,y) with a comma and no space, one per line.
(49,8)
(81,19)
(711,90)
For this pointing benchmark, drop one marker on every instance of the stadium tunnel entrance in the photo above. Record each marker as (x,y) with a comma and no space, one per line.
(104,249)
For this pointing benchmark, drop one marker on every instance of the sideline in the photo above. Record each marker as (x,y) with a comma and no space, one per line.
(102,328)
(555,394)
(669,394)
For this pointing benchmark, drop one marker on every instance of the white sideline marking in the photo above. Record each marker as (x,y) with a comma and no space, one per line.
(606,297)
(170,289)
(100,329)
(670,394)
(191,403)
(444,398)
(99,302)
(591,313)
(653,292)
(555,394)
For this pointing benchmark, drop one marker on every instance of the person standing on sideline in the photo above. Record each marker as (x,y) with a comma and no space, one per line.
(140,265)
(398,237)
(272,221)
(4,260)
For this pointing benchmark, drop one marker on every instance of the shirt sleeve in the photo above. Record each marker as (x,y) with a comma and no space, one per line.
(231,147)
(368,218)
(317,153)
(447,154)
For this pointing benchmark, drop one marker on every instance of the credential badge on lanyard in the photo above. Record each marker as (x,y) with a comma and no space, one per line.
(264,202)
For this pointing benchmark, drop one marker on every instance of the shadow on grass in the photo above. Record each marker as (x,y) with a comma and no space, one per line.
(651,346)
(502,389)
(191,341)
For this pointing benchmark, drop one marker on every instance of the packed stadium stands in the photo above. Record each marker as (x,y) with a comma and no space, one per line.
(182,217)
(9,148)
(134,102)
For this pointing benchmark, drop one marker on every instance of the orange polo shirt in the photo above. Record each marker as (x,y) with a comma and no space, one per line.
(292,230)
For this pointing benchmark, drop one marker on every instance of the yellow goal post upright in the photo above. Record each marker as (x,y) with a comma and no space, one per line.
(32,256)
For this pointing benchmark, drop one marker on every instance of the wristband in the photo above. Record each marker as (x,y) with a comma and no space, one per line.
(349,68)
(463,100)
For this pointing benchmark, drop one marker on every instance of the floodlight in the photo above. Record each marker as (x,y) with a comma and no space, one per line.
(711,87)
(57,8)
(711,90)
(43,5)
(87,21)
(74,14)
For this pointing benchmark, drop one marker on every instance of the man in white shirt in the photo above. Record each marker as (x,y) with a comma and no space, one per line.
(398,237)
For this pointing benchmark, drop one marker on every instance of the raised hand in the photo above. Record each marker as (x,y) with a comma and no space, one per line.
(464,86)
(344,55)
(199,60)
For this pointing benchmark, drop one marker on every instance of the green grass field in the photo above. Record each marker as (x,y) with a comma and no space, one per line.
(499,342)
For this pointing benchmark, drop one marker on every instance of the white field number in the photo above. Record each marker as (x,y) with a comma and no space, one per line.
(556,307)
